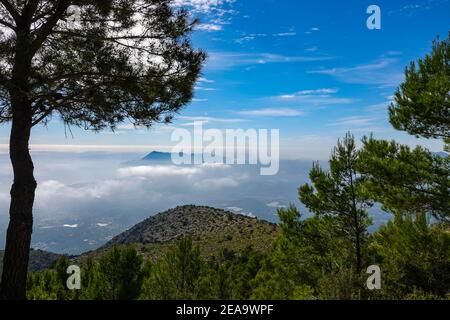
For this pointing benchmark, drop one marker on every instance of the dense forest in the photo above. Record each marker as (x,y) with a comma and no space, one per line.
(325,256)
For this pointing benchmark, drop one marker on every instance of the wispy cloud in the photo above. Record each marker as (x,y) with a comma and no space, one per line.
(273,112)
(229,60)
(285,34)
(217,12)
(312,30)
(352,121)
(314,98)
(202,6)
(211,120)
(383,72)
(201,88)
(312,49)
(412,9)
(209,27)
(291,96)
(249,37)
(153,171)
(204,80)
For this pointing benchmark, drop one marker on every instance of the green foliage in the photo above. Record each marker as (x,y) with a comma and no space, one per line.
(405,180)
(340,193)
(44,286)
(118,275)
(94,75)
(415,258)
(311,260)
(283,272)
(422,103)
(177,275)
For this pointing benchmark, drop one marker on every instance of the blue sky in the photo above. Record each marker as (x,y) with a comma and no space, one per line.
(309,68)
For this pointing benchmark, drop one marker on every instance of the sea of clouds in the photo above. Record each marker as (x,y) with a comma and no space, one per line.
(83,199)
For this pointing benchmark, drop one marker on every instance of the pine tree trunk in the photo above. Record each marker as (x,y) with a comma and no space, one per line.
(18,241)
(20,229)
(358,252)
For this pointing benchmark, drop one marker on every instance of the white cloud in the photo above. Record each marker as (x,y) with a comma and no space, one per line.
(200,88)
(205,80)
(47,190)
(273,112)
(240,211)
(217,12)
(312,30)
(155,171)
(276,205)
(209,27)
(250,37)
(102,225)
(312,49)
(314,98)
(285,34)
(307,93)
(203,6)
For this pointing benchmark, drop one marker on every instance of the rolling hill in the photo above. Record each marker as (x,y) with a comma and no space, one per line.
(213,230)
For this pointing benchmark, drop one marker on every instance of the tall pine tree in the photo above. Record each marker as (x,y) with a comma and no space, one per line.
(92,64)
(340,193)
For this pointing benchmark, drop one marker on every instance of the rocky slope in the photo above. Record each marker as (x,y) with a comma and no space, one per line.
(214,230)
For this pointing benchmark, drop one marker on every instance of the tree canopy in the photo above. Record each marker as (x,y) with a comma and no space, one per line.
(97,63)
(422,102)
(92,64)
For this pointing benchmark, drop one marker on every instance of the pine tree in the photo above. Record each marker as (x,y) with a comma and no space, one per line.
(415,258)
(422,103)
(118,275)
(405,180)
(340,193)
(93,64)
(177,276)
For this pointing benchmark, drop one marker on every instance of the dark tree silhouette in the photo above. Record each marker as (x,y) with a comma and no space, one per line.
(92,64)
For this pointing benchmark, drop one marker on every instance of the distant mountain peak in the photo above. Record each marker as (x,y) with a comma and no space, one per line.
(158,156)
